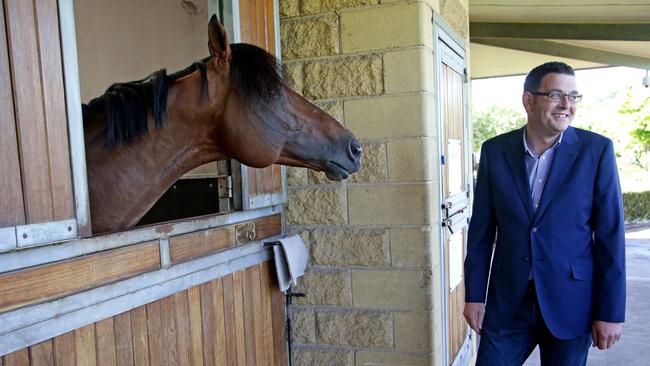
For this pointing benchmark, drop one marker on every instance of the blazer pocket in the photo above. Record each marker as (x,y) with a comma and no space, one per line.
(582,272)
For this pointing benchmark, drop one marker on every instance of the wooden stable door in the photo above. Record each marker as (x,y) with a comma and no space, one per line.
(234,320)
(455,192)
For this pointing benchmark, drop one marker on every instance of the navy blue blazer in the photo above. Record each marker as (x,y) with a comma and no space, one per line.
(574,243)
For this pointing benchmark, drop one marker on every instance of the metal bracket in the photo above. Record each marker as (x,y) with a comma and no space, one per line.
(8,239)
(45,233)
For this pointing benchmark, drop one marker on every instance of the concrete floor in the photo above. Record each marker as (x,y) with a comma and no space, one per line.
(632,349)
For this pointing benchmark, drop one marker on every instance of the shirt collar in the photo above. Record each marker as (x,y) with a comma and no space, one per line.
(528,151)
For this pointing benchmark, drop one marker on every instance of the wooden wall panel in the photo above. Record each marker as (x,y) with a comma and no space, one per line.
(154,330)
(34,116)
(85,346)
(208,325)
(169,332)
(268,226)
(267,315)
(196,329)
(182,320)
(105,339)
(11,191)
(229,320)
(238,294)
(18,358)
(42,354)
(249,319)
(220,322)
(123,343)
(55,109)
(58,279)
(185,247)
(64,349)
(28,98)
(204,242)
(258,23)
(278,316)
(139,336)
(236,320)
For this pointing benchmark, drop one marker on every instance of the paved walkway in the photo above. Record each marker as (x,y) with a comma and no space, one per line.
(632,349)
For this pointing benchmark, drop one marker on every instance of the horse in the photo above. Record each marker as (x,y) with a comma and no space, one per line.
(141,136)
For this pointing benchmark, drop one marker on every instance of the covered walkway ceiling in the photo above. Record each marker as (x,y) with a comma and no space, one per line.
(509,37)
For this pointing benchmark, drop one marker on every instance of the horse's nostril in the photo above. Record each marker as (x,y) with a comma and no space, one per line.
(355,149)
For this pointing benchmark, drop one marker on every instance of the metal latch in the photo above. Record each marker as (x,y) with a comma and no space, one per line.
(449,221)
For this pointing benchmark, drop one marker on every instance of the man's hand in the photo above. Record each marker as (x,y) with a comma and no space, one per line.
(474,312)
(604,334)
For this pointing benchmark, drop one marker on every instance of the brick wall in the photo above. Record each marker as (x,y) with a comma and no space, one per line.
(373,280)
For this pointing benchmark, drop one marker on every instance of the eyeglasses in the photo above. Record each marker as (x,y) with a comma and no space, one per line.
(556,96)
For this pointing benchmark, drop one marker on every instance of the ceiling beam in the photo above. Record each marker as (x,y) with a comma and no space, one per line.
(566,51)
(601,32)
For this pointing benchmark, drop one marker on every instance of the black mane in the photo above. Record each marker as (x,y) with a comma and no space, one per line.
(255,74)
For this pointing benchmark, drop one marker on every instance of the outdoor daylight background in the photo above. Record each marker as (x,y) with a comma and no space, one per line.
(614,104)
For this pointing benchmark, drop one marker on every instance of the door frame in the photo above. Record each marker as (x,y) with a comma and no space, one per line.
(444,35)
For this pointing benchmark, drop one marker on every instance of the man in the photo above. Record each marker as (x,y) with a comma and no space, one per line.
(550,195)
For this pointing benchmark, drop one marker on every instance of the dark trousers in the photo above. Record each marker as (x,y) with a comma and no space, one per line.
(514,343)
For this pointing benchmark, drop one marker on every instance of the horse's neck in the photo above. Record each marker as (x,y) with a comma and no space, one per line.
(125,182)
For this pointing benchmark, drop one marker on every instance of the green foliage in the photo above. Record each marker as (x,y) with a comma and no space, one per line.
(636,206)
(640,133)
(493,121)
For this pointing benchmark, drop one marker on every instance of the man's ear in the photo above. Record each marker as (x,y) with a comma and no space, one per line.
(218,40)
(527,101)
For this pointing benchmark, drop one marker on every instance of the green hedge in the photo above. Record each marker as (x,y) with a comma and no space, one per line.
(636,206)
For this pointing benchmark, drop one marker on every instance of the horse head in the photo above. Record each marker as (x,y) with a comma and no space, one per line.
(141,136)
(264,122)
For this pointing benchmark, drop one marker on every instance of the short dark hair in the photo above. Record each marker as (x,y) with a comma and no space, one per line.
(535,76)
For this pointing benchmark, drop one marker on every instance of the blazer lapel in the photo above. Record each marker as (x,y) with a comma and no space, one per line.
(562,161)
(514,155)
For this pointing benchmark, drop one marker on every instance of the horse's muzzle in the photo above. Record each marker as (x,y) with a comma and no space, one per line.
(339,170)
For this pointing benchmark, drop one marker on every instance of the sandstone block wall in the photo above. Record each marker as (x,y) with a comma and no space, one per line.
(372,286)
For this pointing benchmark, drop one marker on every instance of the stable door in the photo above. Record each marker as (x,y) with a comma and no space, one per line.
(455,192)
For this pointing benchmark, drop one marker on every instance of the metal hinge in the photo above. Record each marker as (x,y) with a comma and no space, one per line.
(224,186)
(465,78)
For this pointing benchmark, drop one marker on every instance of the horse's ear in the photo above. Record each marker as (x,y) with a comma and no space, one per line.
(218,40)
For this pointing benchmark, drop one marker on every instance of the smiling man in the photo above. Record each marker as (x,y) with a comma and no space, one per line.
(550,196)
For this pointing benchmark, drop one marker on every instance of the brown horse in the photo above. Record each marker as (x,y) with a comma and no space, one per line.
(142,136)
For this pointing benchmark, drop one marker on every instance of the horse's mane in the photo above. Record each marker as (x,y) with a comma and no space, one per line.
(256,75)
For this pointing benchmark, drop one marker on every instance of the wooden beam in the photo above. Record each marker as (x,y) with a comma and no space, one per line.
(601,31)
(188,246)
(567,51)
(63,278)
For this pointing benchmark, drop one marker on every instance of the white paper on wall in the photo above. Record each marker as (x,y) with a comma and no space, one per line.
(454,166)
(455,260)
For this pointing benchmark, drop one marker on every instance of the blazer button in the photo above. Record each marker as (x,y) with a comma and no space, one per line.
(534,229)
(526,259)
